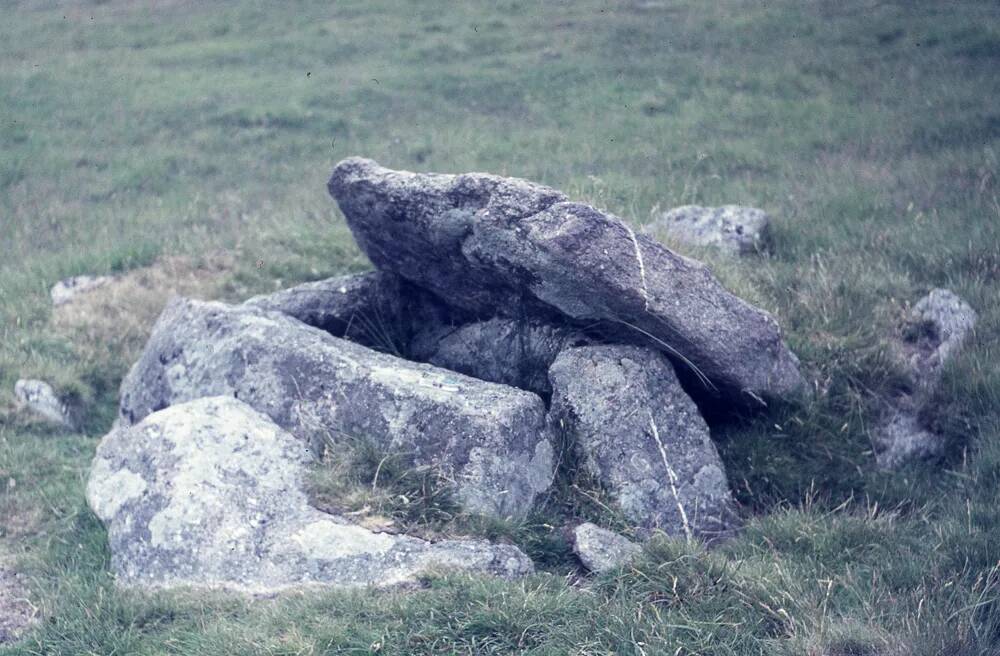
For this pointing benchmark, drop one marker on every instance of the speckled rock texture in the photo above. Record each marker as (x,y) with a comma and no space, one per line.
(600,549)
(732,229)
(489,440)
(66,290)
(209,494)
(495,245)
(640,435)
(39,397)
(509,351)
(937,327)
(939,324)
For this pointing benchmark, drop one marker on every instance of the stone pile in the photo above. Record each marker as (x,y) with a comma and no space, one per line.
(504,331)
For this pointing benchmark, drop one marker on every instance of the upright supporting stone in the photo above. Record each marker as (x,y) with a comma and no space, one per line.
(640,435)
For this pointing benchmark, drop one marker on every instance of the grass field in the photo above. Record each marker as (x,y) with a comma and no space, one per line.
(188,144)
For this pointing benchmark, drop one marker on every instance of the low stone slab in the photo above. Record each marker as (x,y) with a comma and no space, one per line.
(495,245)
(209,493)
(732,229)
(640,435)
(509,351)
(600,549)
(488,440)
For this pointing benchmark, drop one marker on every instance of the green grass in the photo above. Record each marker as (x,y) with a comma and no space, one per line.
(871,132)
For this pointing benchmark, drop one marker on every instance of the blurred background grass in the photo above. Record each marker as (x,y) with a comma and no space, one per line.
(201,135)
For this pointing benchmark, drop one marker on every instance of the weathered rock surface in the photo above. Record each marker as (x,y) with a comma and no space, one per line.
(209,494)
(65,290)
(600,549)
(732,229)
(495,245)
(489,440)
(640,435)
(39,397)
(367,308)
(509,351)
(938,326)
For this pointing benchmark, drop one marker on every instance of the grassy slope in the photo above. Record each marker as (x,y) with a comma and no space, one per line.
(869,130)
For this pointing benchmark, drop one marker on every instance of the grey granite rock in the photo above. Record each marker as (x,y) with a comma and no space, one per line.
(495,245)
(640,435)
(600,549)
(65,290)
(938,325)
(489,440)
(732,229)
(209,493)
(39,397)
(900,437)
(509,351)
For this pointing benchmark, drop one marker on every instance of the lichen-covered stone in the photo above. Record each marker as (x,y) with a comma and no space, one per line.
(509,351)
(600,549)
(938,325)
(209,493)
(640,435)
(495,245)
(940,322)
(39,397)
(900,437)
(489,440)
(67,289)
(732,229)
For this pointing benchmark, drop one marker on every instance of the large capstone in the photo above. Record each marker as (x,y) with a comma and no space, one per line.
(489,440)
(210,493)
(495,245)
(637,432)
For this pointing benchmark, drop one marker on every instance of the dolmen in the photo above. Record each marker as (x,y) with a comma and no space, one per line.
(504,332)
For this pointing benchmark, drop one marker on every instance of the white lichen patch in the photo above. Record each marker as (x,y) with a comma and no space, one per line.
(109,490)
(432,385)
(222,505)
(327,540)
